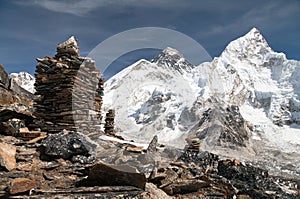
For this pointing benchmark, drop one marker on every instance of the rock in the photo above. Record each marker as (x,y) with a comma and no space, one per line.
(23,130)
(21,185)
(7,156)
(249,180)
(207,160)
(153,144)
(31,135)
(12,120)
(6,128)
(4,79)
(223,127)
(42,136)
(67,144)
(115,175)
(134,149)
(185,186)
(68,47)
(155,192)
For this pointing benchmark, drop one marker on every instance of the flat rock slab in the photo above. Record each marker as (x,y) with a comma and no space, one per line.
(115,175)
(8,156)
(21,185)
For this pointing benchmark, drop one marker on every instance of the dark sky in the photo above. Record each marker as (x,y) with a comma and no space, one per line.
(33,28)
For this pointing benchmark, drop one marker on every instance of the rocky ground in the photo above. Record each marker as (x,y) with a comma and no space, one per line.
(70,165)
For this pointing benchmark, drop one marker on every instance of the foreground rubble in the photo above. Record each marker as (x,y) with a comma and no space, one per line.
(195,174)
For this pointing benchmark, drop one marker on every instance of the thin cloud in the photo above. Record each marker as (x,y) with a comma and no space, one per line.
(82,7)
(75,7)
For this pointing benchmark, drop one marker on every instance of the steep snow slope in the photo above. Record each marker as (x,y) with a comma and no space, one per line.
(25,80)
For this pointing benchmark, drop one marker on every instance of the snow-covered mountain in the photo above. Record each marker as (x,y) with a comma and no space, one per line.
(24,80)
(152,95)
(245,102)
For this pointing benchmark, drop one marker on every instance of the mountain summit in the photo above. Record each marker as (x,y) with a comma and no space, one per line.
(171,57)
(244,102)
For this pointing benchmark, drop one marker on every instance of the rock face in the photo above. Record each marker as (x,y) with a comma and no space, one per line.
(116,175)
(221,126)
(7,156)
(68,91)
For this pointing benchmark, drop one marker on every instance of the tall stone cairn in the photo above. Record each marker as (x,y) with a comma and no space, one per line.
(69,91)
(109,122)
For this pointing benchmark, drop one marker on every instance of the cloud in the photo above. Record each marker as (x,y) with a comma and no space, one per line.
(82,7)
(75,7)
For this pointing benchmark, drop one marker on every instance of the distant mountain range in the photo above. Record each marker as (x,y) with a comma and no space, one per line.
(245,102)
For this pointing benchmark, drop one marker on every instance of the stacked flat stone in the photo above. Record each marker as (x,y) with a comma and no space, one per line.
(69,91)
(109,122)
(193,144)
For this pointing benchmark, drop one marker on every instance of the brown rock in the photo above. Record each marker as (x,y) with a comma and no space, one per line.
(24,130)
(7,156)
(116,175)
(4,79)
(134,149)
(243,197)
(155,192)
(20,185)
(185,186)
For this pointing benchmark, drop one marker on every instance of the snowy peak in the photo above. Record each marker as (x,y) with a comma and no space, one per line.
(251,46)
(172,58)
(172,51)
(24,80)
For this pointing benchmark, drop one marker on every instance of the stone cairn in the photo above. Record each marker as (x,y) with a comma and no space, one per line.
(69,91)
(193,145)
(109,122)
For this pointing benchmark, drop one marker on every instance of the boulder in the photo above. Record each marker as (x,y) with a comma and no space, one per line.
(7,156)
(67,145)
(115,175)
(21,185)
